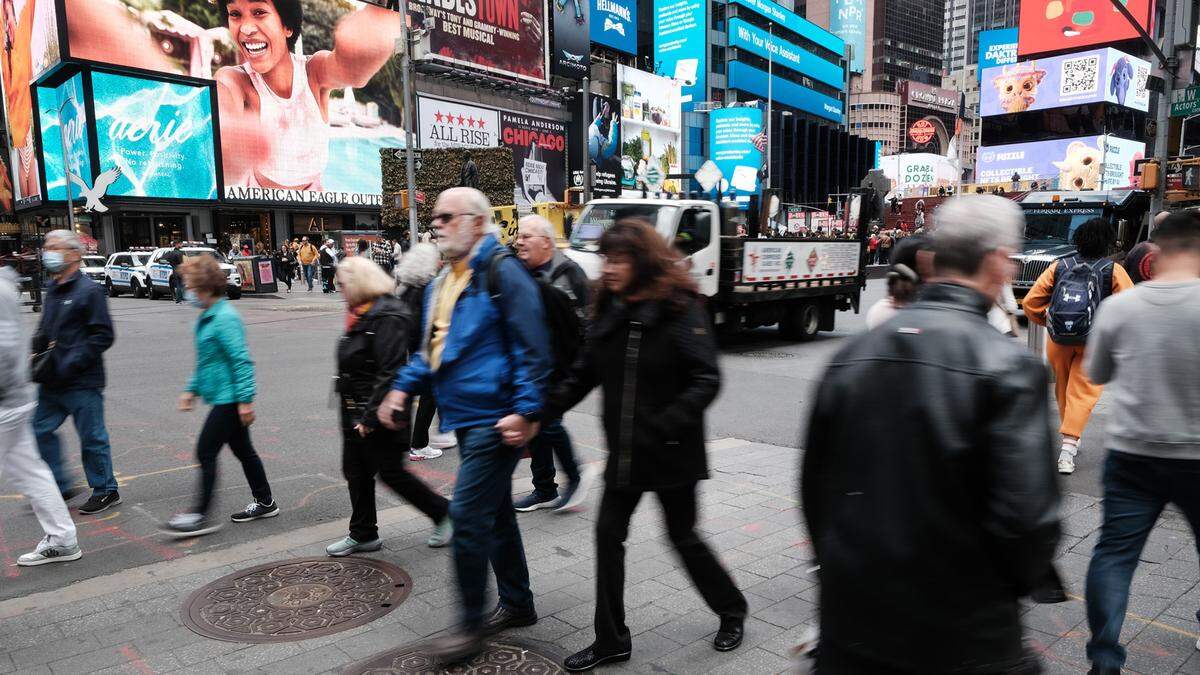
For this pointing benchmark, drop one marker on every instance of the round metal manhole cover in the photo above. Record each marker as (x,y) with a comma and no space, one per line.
(502,655)
(296,599)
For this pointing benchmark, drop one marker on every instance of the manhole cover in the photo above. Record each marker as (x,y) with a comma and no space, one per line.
(502,655)
(296,599)
(766,355)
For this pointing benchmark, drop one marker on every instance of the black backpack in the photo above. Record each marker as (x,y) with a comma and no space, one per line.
(1079,286)
(562,322)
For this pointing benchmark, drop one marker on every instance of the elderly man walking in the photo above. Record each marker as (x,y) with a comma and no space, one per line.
(928,539)
(484,357)
(75,331)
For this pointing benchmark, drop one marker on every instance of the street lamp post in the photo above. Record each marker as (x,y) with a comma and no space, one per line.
(770,91)
(404,46)
(62,134)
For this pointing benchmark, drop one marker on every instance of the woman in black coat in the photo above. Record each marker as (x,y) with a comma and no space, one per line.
(284,260)
(652,352)
(374,347)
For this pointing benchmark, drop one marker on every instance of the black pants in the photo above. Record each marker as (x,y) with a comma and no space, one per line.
(286,276)
(224,427)
(833,660)
(327,279)
(379,454)
(426,407)
(612,528)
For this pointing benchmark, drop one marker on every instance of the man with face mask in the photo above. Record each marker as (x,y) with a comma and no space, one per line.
(75,331)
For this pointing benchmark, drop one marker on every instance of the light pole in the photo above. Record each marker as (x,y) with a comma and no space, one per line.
(770,91)
(585,159)
(404,48)
(62,134)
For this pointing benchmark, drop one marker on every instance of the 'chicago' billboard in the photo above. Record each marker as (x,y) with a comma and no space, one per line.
(1062,25)
(306,88)
(681,46)
(1096,76)
(613,24)
(1085,163)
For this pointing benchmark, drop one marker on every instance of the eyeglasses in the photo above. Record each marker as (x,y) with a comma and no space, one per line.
(445,218)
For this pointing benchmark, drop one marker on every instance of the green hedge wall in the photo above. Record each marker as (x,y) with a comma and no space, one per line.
(440,170)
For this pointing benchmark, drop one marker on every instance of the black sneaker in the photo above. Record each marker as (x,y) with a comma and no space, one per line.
(254,510)
(100,502)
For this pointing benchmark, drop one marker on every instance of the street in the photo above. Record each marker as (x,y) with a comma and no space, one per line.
(138,577)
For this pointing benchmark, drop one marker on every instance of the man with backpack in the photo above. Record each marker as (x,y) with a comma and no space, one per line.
(485,358)
(565,296)
(1064,300)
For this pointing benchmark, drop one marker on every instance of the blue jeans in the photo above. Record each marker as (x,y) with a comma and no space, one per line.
(310,271)
(552,441)
(86,408)
(485,526)
(1136,488)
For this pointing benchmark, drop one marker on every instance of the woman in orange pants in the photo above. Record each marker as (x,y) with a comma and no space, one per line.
(1075,393)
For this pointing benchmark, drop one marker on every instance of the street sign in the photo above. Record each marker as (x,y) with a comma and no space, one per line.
(1185,102)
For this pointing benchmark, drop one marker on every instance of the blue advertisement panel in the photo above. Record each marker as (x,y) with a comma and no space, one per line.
(681,46)
(158,134)
(997,48)
(1096,76)
(613,24)
(67,97)
(737,143)
(795,23)
(752,80)
(848,20)
(784,54)
(1085,163)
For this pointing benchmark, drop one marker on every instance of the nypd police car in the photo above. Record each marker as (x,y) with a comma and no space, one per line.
(125,272)
(92,267)
(160,272)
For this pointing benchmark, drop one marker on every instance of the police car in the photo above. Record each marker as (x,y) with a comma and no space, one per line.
(160,272)
(125,272)
(92,267)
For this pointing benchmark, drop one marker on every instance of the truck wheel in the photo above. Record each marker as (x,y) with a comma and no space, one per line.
(233,293)
(112,290)
(139,291)
(802,323)
(151,290)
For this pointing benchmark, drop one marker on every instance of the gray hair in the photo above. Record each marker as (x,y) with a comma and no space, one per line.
(477,203)
(418,267)
(970,227)
(68,238)
(538,224)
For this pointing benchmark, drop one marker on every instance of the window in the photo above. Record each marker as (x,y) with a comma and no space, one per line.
(695,231)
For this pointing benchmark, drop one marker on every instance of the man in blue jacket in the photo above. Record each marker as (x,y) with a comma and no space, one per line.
(485,358)
(76,322)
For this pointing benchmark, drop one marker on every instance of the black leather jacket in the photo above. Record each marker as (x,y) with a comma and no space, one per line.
(368,356)
(929,489)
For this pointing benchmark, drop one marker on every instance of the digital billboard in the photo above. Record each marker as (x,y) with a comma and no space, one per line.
(1066,163)
(71,123)
(30,48)
(737,143)
(572,42)
(773,11)
(848,20)
(1073,79)
(651,115)
(681,46)
(1064,25)
(996,48)
(307,89)
(159,134)
(914,173)
(613,24)
(754,81)
(784,54)
(506,37)
(604,148)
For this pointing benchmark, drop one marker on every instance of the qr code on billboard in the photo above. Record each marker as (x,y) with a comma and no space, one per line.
(1081,76)
(1140,79)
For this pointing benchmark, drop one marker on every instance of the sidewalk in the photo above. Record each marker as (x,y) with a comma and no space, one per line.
(129,622)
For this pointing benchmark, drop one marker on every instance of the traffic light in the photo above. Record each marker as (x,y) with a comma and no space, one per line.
(1150,175)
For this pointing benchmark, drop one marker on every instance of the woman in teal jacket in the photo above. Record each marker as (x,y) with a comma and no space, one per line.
(224,378)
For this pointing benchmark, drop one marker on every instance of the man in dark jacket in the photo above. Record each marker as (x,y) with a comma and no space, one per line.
(75,321)
(536,250)
(934,514)
(174,258)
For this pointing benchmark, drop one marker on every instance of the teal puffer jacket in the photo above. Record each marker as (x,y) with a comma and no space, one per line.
(224,369)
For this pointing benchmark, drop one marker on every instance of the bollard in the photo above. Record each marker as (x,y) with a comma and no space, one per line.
(1036,339)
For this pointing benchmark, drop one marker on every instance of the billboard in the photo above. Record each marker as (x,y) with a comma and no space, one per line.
(613,24)
(929,97)
(737,144)
(30,48)
(651,114)
(71,123)
(572,41)
(914,173)
(159,134)
(604,148)
(848,20)
(1085,163)
(450,124)
(1071,25)
(773,11)
(784,54)
(996,48)
(681,46)
(1100,75)
(305,106)
(754,81)
(506,37)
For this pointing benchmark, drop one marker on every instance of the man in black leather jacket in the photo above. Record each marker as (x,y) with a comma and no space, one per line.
(928,478)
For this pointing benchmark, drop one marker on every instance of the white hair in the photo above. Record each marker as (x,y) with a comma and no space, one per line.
(477,203)
(68,238)
(970,227)
(419,266)
(538,224)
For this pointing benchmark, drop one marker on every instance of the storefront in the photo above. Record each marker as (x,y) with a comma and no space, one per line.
(148,229)
(314,225)
(241,229)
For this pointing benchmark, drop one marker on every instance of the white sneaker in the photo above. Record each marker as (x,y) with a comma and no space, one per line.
(442,441)
(46,553)
(417,455)
(1066,463)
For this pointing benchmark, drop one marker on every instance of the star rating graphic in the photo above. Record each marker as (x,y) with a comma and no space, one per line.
(459,120)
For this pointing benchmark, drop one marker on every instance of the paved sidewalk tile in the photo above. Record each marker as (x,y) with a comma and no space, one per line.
(130,622)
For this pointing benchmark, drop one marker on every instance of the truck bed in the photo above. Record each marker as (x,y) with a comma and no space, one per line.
(754,270)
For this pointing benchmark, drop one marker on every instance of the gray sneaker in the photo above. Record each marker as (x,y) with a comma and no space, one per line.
(47,553)
(442,534)
(351,545)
